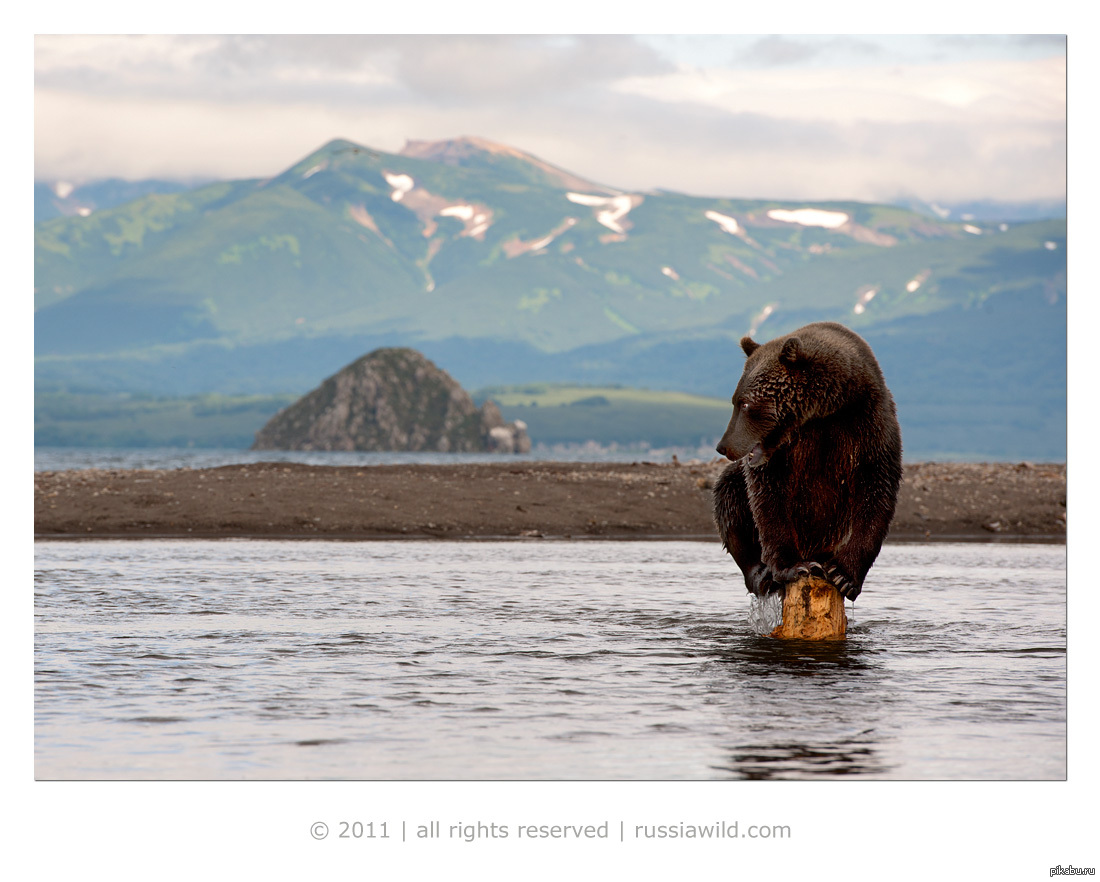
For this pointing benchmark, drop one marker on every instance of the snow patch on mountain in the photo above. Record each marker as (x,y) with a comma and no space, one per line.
(401,184)
(864,296)
(428,206)
(726,222)
(810,217)
(919,279)
(476,219)
(761,317)
(465,212)
(611,211)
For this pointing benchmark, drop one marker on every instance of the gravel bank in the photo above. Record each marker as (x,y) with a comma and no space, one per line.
(938,501)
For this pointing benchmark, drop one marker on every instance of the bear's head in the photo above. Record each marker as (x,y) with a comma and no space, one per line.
(775,395)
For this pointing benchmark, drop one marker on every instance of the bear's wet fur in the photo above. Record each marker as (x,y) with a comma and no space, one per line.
(816,452)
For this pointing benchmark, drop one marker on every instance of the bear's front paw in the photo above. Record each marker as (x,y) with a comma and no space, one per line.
(814,569)
(760,581)
(801,571)
(844,585)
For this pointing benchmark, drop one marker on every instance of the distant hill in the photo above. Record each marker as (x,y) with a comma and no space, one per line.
(505,269)
(64,199)
(391,399)
(561,414)
(990,210)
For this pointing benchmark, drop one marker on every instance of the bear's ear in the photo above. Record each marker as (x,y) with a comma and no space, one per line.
(792,351)
(749,345)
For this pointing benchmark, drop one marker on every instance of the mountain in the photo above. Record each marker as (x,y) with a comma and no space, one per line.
(64,199)
(989,210)
(506,269)
(391,399)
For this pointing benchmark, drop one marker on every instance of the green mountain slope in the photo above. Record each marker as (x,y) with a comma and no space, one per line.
(353,241)
(504,269)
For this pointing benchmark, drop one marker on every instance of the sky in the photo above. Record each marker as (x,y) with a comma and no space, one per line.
(945,118)
(829,117)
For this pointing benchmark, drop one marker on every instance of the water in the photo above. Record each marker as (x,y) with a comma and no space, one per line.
(55,459)
(535,660)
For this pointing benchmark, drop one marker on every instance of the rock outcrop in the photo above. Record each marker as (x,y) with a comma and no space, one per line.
(391,399)
(504,437)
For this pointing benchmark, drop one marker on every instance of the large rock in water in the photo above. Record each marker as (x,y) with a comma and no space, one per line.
(391,399)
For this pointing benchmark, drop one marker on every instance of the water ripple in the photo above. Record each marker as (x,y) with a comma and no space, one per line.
(563,660)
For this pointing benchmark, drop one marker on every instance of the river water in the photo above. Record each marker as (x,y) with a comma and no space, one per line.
(56,459)
(535,660)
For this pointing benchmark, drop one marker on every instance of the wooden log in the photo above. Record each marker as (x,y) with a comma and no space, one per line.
(812,610)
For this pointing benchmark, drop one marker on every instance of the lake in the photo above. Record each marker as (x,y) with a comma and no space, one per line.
(242,659)
(57,459)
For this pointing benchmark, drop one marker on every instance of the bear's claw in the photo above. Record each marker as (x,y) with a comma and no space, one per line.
(801,571)
(813,568)
(809,569)
(843,584)
(760,581)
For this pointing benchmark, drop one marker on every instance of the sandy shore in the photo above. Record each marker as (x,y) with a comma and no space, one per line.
(512,500)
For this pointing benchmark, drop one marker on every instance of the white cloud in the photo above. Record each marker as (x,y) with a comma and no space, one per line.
(85,137)
(1031,91)
(609,109)
(97,54)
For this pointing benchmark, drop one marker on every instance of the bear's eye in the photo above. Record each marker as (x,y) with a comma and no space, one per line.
(745,406)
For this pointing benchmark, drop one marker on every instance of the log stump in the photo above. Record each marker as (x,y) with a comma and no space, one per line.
(812,610)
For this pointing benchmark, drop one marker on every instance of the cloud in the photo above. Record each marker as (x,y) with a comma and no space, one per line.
(490,68)
(777,50)
(210,68)
(784,117)
(944,131)
(474,68)
(1022,90)
(949,46)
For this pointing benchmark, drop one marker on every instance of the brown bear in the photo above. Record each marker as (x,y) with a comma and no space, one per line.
(816,452)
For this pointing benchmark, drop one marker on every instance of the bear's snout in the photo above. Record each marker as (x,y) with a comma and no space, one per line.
(730,449)
(739,440)
(754,457)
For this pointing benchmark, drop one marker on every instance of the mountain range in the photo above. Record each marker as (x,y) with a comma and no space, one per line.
(505,269)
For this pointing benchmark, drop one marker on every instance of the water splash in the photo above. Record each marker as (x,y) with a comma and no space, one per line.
(766,613)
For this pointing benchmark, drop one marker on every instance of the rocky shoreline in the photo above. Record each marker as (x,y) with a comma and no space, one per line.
(524,500)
